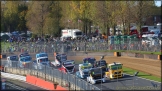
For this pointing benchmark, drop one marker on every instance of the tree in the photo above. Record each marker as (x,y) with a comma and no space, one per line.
(11,15)
(36,15)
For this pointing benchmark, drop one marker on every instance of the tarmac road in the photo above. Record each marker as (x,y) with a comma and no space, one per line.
(20,85)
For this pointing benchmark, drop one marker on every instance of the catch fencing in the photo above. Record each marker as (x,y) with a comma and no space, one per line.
(72,46)
(51,74)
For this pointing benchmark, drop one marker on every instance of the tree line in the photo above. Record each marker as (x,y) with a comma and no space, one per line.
(49,17)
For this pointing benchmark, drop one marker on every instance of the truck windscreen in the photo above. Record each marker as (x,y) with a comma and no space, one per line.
(78,33)
(115,67)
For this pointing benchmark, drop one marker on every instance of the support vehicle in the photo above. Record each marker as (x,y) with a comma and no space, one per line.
(68,66)
(73,33)
(114,71)
(40,62)
(95,75)
(90,60)
(83,70)
(59,58)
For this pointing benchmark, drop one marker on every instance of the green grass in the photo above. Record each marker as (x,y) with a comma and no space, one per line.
(141,74)
(5,45)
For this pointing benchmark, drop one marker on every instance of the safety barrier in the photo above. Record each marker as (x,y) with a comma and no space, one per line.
(42,83)
(52,75)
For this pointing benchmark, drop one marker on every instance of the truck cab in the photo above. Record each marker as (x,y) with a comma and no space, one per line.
(90,60)
(59,58)
(25,61)
(114,71)
(95,75)
(12,61)
(101,64)
(40,62)
(68,66)
(41,59)
(84,69)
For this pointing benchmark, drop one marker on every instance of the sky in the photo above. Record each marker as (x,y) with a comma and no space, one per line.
(158,2)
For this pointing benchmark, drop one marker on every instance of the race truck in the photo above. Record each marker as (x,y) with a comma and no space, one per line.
(90,60)
(95,75)
(68,66)
(12,61)
(41,61)
(59,58)
(101,64)
(24,61)
(83,70)
(41,55)
(114,71)
(23,55)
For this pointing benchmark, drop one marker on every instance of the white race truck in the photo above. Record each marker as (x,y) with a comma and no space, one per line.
(73,33)
(95,75)
(41,60)
(84,69)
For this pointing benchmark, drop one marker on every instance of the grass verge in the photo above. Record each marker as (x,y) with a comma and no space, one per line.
(141,74)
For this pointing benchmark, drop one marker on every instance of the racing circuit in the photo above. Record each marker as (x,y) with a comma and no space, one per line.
(126,83)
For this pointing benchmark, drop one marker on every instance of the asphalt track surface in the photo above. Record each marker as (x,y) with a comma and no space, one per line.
(20,85)
(127,83)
